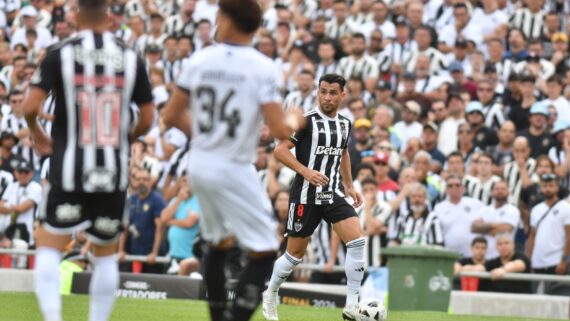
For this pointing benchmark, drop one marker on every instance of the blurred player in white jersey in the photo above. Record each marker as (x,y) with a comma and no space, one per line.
(230,87)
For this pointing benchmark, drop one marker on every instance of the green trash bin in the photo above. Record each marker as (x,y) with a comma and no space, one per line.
(420,278)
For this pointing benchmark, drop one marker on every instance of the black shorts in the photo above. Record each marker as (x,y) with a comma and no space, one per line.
(305,218)
(101,215)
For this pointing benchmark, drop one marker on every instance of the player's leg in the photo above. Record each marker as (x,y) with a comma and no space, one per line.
(215,278)
(104,282)
(293,256)
(49,249)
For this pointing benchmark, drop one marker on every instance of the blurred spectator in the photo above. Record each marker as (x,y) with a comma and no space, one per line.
(485,179)
(554,86)
(305,97)
(383,96)
(502,152)
(360,143)
(520,113)
(538,138)
(483,135)
(479,248)
(385,183)
(500,217)
(429,140)
(448,139)
(409,127)
(373,215)
(8,142)
(519,173)
(359,64)
(181,217)
(145,226)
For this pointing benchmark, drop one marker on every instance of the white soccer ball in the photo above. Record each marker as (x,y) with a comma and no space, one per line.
(372,310)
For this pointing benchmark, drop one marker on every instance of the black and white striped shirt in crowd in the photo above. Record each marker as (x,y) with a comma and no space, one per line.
(323,70)
(307,8)
(558,156)
(178,162)
(494,115)
(171,69)
(296,99)
(321,245)
(531,24)
(363,68)
(44,169)
(169,8)
(134,8)
(94,79)
(512,175)
(482,191)
(384,61)
(5,179)
(469,184)
(398,52)
(320,146)
(438,61)
(372,251)
(14,125)
(504,69)
(175,25)
(361,18)
(335,31)
(420,231)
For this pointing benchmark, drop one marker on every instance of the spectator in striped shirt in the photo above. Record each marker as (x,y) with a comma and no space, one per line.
(374,216)
(483,135)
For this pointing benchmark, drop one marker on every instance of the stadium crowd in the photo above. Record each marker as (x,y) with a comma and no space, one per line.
(460,113)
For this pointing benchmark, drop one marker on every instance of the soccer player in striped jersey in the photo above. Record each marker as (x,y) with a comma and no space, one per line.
(322,182)
(94,79)
(222,96)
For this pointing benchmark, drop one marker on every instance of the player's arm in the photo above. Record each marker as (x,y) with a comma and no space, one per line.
(284,155)
(22,207)
(145,121)
(274,115)
(176,112)
(346,174)
(32,107)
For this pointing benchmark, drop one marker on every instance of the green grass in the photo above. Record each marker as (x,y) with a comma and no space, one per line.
(23,307)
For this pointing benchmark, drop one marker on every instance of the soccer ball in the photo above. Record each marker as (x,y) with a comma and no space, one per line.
(371,310)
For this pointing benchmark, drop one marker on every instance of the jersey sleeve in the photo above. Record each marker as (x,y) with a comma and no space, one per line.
(346,143)
(45,76)
(142,92)
(183,80)
(269,90)
(299,135)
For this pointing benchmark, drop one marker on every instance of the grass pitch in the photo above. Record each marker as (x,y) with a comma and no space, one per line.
(24,307)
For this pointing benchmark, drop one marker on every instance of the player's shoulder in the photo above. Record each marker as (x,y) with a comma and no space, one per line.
(343,118)
(312,114)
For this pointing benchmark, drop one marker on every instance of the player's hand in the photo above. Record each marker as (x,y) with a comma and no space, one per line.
(151,258)
(328,268)
(121,255)
(355,196)
(562,268)
(314,177)
(43,146)
(295,118)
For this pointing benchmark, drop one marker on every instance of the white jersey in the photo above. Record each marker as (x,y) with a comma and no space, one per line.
(506,214)
(228,84)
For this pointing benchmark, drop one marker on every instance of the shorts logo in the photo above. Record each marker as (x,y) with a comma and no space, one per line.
(300,210)
(107,226)
(68,213)
(298,226)
(324,196)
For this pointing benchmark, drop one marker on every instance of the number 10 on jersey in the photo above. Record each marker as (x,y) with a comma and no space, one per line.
(100,117)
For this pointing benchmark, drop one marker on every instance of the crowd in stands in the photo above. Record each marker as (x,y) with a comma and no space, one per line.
(460,114)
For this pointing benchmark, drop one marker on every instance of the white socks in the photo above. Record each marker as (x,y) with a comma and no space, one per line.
(281,271)
(47,282)
(104,282)
(354,267)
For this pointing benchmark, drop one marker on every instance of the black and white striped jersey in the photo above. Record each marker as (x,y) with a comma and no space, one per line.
(438,61)
(482,191)
(504,69)
(494,115)
(420,231)
(335,31)
(296,99)
(372,251)
(323,70)
(469,184)
(384,60)
(558,156)
(363,68)
(5,179)
(14,125)
(398,52)
(320,246)
(361,18)
(94,79)
(171,70)
(531,24)
(320,146)
(512,175)
(175,25)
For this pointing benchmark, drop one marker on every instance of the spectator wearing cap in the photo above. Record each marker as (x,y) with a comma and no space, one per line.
(153,54)
(409,89)
(490,74)
(423,38)
(360,142)
(554,87)
(520,112)
(538,137)
(549,240)
(447,140)
(461,81)
(463,27)
(535,64)
(117,26)
(520,172)
(560,152)
(33,16)
(359,63)
(154,36)
(483,135)
(492,110)
(385,183)
(560,55)
(21,199)
(409,126)
(383,95)
(429,140)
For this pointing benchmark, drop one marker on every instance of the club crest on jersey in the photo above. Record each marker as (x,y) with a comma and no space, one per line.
(329,151)
(298,226)
(324,196)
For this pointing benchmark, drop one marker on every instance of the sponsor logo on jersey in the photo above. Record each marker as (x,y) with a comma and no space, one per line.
(68,213)
(106,225)
(100,57)
(324,196)
(330,151)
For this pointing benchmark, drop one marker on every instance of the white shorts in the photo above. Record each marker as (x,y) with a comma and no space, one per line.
(233,203)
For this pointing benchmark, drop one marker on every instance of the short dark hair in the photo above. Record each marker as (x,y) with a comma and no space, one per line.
(245,14)
(92,4)
(479,239)
(333,79)
(327,41)
(307,72)
(460,5)
(187,37)
(16,92)
(156,16)
(363,166)
(359,35)
(455,154)
(489,156)
(203,21)
(369,180)
(170,37)
(527,78)
(555,78)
